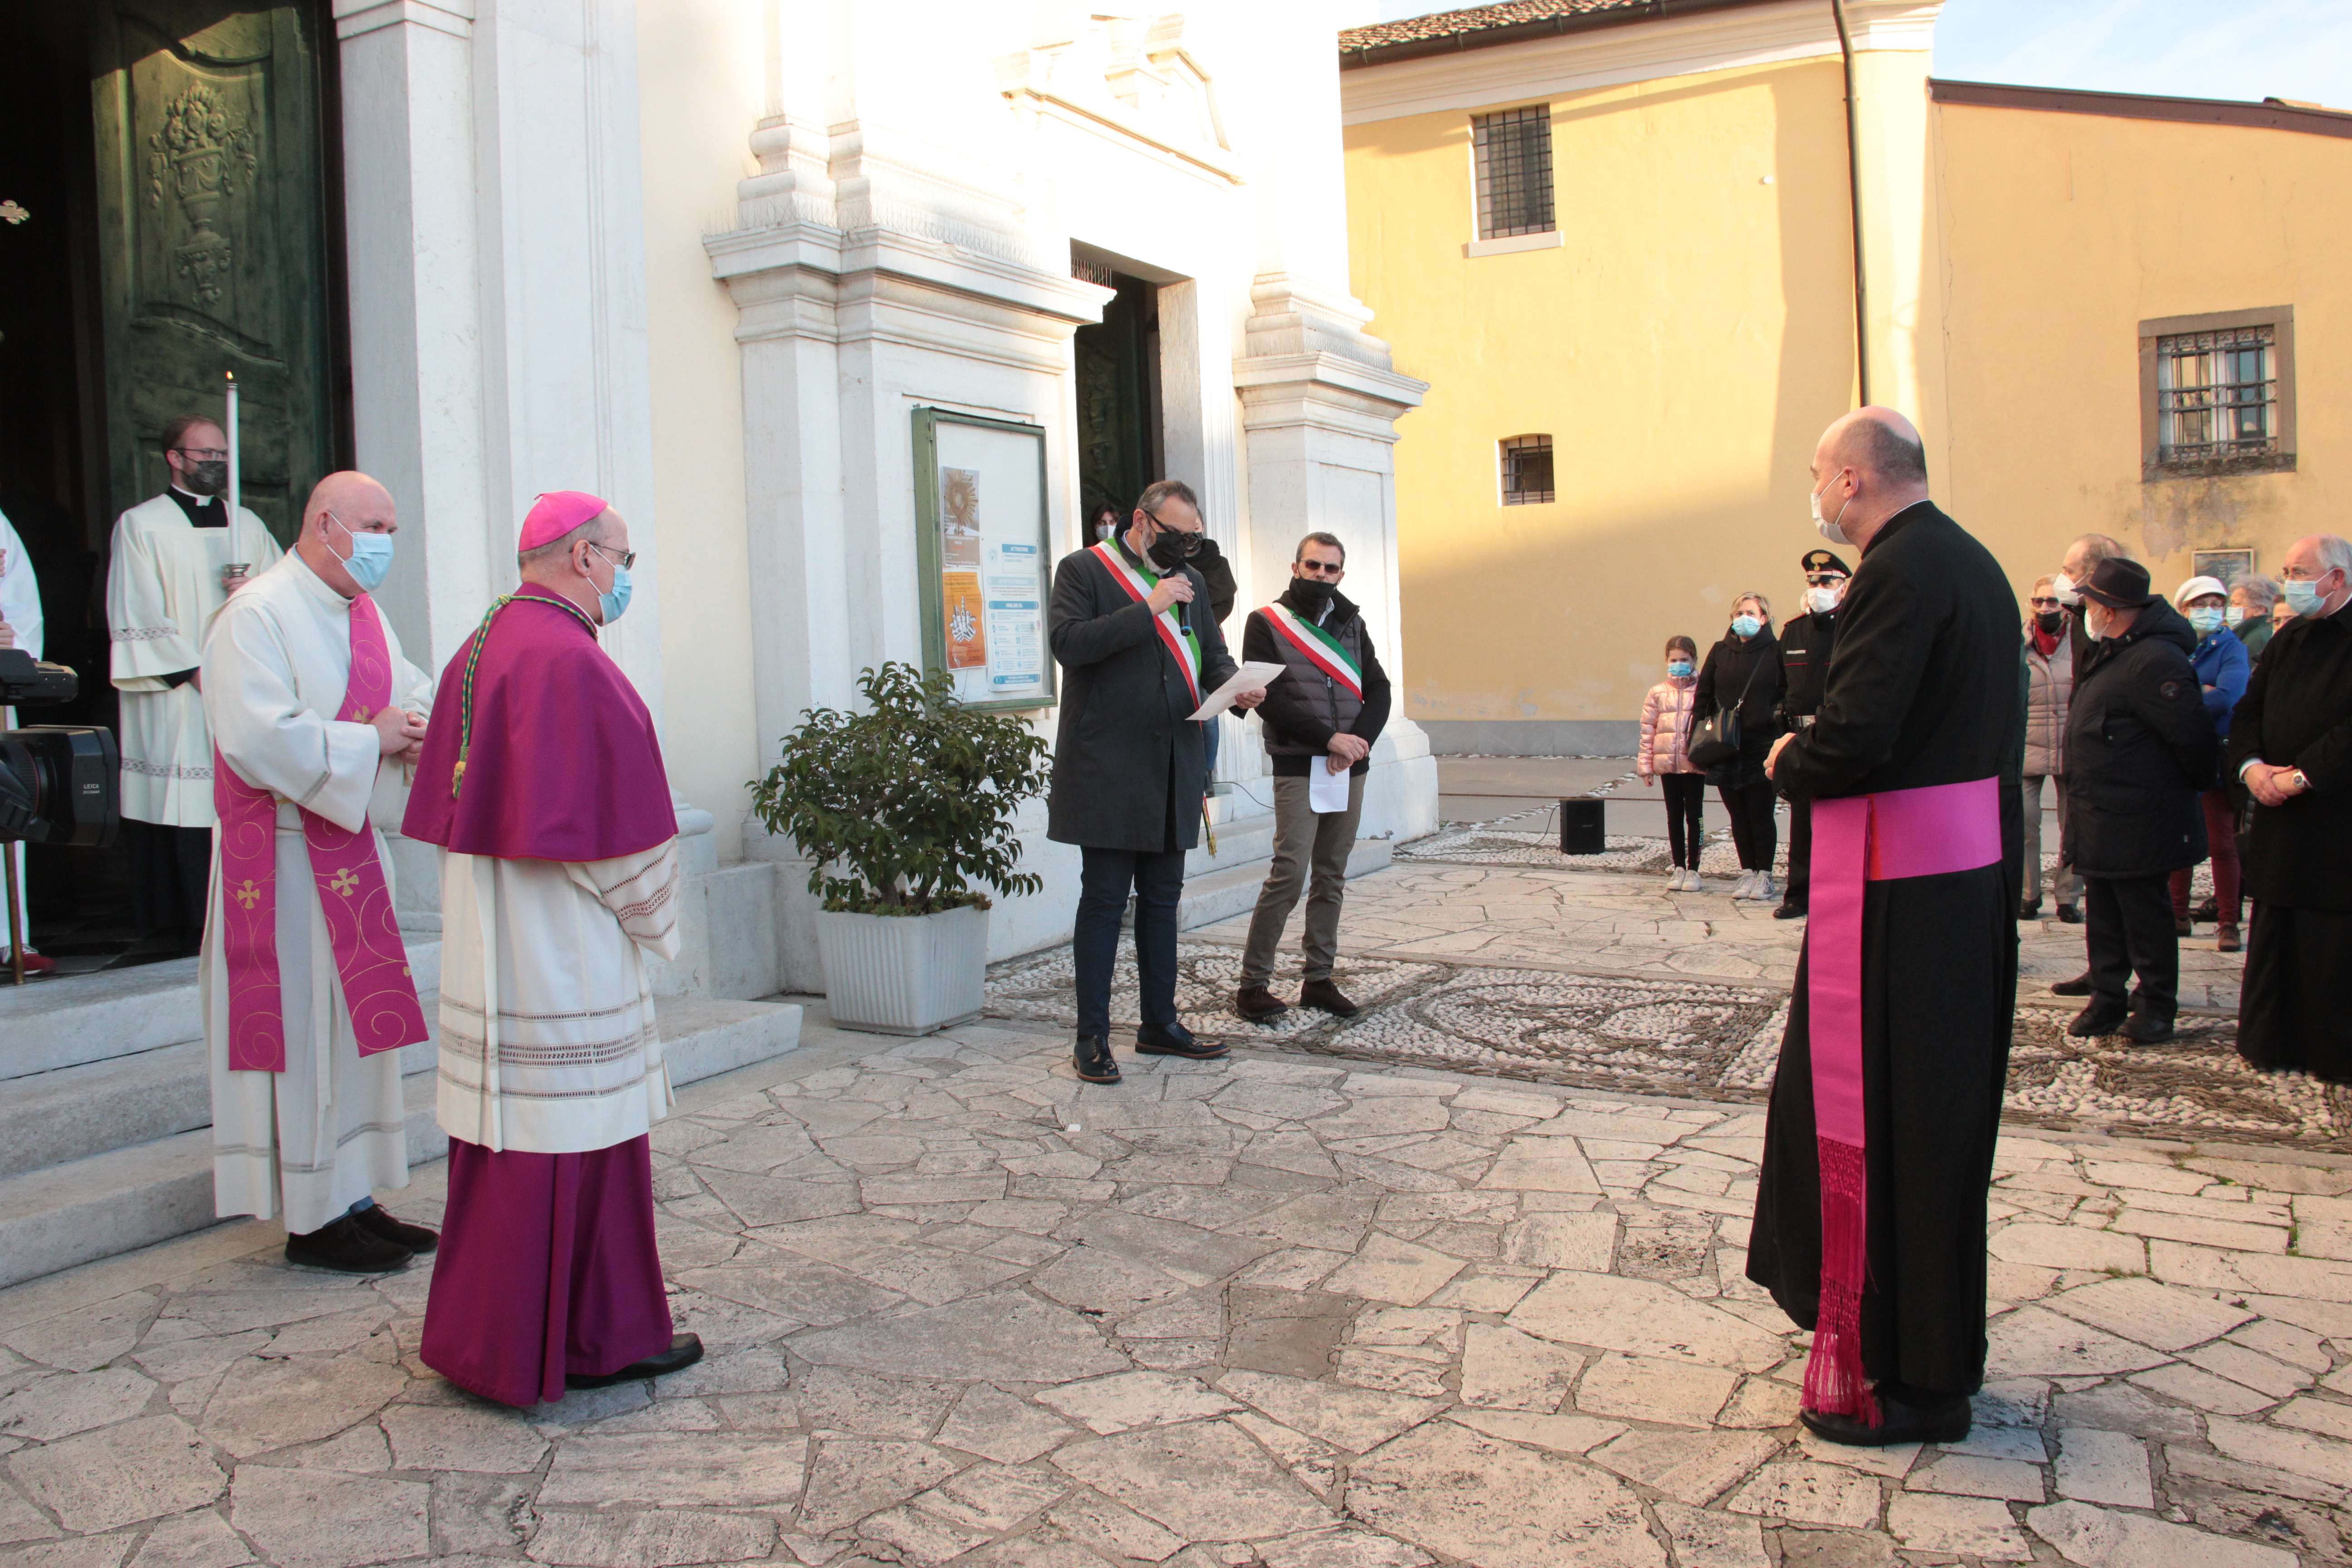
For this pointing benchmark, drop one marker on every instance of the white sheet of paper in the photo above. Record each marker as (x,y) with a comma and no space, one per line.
(1326,792)
(1249,677)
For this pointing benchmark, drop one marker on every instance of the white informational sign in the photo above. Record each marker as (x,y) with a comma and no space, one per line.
(989,550)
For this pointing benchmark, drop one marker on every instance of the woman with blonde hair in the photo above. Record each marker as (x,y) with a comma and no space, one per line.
(1742,676)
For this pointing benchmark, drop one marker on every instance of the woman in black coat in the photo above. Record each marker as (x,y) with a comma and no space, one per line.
(1743,671)
(2140,747)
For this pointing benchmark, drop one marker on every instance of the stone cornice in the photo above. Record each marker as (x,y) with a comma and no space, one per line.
(354,17)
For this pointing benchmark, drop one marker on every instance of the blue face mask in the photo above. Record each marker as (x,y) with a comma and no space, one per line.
(2207,621)
(1746,625)
(2303,598)
(1678,667)
(611,604)
(371,556)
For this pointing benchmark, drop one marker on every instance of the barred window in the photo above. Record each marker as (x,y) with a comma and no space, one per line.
(1526,470)
(2216,396)
(1514,151)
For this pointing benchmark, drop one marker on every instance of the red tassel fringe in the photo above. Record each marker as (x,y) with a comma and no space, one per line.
(1835,1384)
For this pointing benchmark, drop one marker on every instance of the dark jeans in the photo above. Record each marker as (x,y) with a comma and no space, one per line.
(1800,854)
(1750,807)
(1158,881)
(1685,807)
(2128,926)
(2221,837)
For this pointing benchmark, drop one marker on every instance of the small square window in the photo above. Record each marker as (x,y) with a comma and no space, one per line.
(1526,470)
(1514,151)
(2217,393)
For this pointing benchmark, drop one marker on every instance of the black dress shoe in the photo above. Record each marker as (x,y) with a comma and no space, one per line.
(2029,911)
(1328,998)
(2078,987)
(414,1237)
(1788,911)
(2070,914)
(2145,1029)
(1174,1040)
(1093,1060)
(2184,928)
(684,1351)
(346,1246)
(1941,1419)
(2207,912)
(2098,1019)
(1256,1002)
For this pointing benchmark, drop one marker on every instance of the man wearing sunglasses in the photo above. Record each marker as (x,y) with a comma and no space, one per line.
(1129,626)
(170,572)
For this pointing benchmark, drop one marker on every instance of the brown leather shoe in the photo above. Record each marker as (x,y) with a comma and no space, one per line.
(2228,940)
(1256,1002)
(1323,995)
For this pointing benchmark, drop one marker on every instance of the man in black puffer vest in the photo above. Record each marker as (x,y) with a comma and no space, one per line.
(1322,716)
(2139,747)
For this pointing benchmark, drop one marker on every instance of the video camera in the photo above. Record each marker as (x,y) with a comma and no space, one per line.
(59,783)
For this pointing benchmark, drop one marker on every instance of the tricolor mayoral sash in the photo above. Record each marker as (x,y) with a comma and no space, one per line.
(1183,646)
(352,895)
(1927,831)
(1319,647)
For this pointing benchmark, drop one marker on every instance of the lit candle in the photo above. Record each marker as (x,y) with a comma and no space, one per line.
(235,501)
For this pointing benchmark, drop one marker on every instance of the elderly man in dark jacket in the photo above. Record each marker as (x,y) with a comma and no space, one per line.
(1138,655)
(2139,747)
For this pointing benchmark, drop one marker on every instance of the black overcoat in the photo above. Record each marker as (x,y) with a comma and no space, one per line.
(2297,712)
(2139,747)
(1123,743)
(1724,681)
(1923,689)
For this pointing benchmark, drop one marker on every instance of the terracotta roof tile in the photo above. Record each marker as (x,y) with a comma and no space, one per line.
(1478,19)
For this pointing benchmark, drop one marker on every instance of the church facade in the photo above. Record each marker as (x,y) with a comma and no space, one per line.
(819,296)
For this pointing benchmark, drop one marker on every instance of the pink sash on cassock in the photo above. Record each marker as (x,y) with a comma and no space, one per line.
(1865,838)
(353,894)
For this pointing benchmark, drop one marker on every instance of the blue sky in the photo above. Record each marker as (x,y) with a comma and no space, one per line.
(2187,49)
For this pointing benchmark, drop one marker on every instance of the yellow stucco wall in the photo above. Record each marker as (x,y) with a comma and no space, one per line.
(1684,348)
(2063,232)
(700,92)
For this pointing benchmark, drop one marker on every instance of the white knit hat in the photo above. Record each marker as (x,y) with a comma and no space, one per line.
(2196,588)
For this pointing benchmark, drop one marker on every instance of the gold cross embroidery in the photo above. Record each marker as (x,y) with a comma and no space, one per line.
(364,716)
(344,882)
(248,895)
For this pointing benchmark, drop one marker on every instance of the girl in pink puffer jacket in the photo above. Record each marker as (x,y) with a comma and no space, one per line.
(1665,756)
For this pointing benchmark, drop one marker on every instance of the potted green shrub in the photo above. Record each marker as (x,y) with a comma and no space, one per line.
(906,810)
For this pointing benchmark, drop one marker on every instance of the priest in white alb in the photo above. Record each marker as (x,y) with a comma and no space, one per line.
(169,574)
(305,991)
(543,783)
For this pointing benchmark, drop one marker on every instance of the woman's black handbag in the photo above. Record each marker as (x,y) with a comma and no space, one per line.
(1716,741)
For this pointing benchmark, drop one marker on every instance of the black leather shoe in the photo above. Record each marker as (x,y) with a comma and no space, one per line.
(414,1237)
(346,1246)
(684,1351)
(2029,911)
(1093,1060)
(2207,912)
(1174,1040)
(2098,1019)
(1328,998)
(1256,1002)
(2078,987)
(1788,911)
(1944,1419)
(2184,928)
(2145,1029)
(2070,914)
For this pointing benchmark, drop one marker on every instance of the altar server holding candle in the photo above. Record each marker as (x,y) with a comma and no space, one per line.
(307,995)
(544,785)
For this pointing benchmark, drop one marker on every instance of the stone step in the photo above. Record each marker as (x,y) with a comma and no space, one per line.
(84,1019)
(1220,895)
(127,1197)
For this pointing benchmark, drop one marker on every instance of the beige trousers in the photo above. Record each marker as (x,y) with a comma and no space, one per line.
(1304,845)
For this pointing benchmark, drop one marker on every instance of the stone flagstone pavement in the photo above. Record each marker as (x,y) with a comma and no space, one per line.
(1277,1311)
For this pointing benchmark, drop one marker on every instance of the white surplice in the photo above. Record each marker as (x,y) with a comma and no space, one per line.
(571,1059)
(313,1139)
(20,606)
(163,589)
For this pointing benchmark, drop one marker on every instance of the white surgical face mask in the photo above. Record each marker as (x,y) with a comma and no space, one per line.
(2233,616)
(2095,619)
(2069,591)
(1746,625)
(1829,525)
(2303,597)
(1822,601)
(2207,620)
(370,558)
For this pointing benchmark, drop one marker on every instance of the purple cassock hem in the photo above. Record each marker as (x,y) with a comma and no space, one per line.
(547,1266)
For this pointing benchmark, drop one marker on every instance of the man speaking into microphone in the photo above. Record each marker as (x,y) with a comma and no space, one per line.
(1128,758)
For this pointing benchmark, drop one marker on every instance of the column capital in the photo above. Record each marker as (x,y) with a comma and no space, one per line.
(354,17)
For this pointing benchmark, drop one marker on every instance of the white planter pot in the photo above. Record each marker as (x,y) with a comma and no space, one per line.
(903,974)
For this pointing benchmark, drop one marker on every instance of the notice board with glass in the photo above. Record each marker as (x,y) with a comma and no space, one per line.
(984,553)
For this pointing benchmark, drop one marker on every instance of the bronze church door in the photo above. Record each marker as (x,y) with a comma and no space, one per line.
(214,188)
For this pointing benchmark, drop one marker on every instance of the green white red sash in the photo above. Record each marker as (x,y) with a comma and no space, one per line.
(1319,647)
(1183,646)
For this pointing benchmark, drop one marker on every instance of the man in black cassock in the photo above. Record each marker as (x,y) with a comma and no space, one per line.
(2291,746)
(1923,690)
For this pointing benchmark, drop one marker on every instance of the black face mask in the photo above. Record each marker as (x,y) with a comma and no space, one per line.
(1170,549)
(2050,621)
(1312,593)
(205,478)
